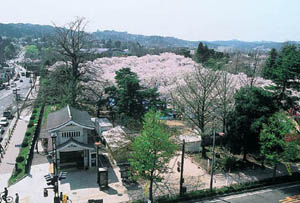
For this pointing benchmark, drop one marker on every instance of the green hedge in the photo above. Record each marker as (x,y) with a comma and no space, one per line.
(200,194)
(25,149)
(206,193)
(19,159)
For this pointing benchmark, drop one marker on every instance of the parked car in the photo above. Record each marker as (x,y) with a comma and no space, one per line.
(7,114)
(21,80)
(2,130)
(4,121)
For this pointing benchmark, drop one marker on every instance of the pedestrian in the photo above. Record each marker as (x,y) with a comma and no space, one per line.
(1,151)
(17,198)
(5,193)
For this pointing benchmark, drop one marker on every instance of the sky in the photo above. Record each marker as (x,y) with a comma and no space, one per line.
(246,20)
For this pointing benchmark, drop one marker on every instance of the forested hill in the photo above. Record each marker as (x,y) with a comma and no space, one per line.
(25,30)
(149,41)
(32,30)
(249,45)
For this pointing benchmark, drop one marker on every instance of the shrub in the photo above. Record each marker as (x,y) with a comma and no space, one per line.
(34,111)
(32,117)
(228,163)
(19,159)
(30,124)
(28,133)
(24,143)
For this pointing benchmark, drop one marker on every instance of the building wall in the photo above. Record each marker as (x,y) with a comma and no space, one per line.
(193,146)
(74,132)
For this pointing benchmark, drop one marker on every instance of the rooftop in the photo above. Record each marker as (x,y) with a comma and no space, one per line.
(63,116)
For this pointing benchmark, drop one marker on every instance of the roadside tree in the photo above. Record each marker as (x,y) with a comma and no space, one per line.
(72,43)
(276,140)
(196,99)
(225,99)
(253,106)
(152,150)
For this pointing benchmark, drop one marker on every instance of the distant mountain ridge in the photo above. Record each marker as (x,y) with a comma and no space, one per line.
(154,41)
(33,30)
(25,30)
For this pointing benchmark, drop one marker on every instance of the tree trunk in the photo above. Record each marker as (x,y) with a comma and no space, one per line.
(274,171)
(151,188)
(224,125)
(203,144)
(263,164)
(203,152)
(245,155)
(73,93)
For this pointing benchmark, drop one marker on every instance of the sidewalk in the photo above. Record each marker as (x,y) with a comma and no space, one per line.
(8,161)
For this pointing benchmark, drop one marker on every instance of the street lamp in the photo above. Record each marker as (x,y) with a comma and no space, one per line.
(97,144)
(102,173)
(56,191)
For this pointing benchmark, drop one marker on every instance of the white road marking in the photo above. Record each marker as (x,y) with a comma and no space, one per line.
(254,193)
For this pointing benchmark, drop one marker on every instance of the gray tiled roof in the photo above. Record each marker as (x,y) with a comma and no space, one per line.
(67,114)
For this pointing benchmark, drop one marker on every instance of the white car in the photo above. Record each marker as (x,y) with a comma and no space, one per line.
(3,121)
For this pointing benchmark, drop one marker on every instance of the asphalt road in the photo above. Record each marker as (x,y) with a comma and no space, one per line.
(7,98)
(263,196)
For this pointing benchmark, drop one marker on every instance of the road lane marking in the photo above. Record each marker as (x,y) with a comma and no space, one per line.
(253,193)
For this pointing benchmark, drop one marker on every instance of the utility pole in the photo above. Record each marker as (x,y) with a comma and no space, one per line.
(15,91)
(181,170)
(213,158)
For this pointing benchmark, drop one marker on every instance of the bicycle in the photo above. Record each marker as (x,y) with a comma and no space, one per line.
(9,199)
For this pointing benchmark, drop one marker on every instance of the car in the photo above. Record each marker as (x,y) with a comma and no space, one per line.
(7,114)
(7,88)
(21,80)
(30,81)
(4,121)
(2,130)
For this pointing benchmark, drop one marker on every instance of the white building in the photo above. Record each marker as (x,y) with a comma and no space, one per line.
(76,137)
(102,125)
(192,142)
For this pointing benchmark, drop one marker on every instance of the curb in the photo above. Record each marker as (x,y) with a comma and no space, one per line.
(18,180)
(241,192)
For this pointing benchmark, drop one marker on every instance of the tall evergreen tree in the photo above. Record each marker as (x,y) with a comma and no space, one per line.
(253,106)
(284,70)
(270,64)
(130,97)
